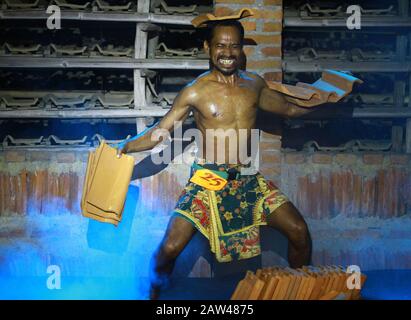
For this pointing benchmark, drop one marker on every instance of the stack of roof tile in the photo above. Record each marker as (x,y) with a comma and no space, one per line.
(307,283)
(106,184)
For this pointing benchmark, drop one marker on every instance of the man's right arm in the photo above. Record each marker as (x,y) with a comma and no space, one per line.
(178,113)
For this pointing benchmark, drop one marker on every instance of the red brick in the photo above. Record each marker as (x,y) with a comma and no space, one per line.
(249,25)
(322,158)
(249,51)
(273,76)
(40,156)
(399,159)
(265,136)
(15,156)
(264,64)
(273,2)
(268,14)
(222,11)
(12,234)
(270,171)
(294,158)
(271,157)
(346,159)
(265,38)
(271,51)
(273,145)
(272,27)
(66,157)
(372,158)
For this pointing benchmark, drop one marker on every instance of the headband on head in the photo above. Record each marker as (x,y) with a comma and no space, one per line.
(203,20)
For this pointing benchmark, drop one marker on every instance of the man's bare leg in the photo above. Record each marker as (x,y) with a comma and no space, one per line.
(178,234)
(288,220)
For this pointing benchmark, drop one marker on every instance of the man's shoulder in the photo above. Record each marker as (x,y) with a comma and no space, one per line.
(252,76)
(256,80)
(198,81)
(194,89)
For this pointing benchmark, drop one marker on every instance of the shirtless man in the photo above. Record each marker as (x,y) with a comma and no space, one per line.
(226,98)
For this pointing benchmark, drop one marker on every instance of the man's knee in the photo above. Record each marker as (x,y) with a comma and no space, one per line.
(171,249)
(299,234)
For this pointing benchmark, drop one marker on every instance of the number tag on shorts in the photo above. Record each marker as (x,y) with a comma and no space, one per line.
(207,179)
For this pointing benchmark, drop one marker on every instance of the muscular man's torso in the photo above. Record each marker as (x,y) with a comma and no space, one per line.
(230,107)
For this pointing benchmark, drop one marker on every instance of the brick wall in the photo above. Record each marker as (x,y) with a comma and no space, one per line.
(33,182)
(270,156)
(265,29)
(357,206)
(377,177)
(40,218)
(324,185)
(263,58)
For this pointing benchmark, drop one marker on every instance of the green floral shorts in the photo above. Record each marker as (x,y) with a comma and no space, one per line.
(230,218)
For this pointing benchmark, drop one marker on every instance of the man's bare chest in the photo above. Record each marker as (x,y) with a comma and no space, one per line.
(228,105)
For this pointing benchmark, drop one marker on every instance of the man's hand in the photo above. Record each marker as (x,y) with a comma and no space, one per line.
(121,148)
(294,101)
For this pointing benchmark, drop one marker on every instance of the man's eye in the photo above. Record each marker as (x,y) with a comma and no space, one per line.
(220,46)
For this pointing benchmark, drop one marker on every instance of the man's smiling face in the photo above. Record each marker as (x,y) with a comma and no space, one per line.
(225,49)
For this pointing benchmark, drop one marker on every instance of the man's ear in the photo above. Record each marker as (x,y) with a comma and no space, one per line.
(206,47)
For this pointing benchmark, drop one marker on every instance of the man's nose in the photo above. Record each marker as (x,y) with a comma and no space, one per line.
(227,51)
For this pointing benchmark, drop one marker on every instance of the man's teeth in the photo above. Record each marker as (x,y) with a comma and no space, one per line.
(226,61)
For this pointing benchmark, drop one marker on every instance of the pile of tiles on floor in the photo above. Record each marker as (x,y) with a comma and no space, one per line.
(306,283)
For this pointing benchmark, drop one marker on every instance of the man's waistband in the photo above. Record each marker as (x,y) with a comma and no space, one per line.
(227,171)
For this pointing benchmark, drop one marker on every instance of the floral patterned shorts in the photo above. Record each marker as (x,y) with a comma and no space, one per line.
(230,218)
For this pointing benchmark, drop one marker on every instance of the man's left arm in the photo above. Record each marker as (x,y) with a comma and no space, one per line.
(295,101)
(277,103)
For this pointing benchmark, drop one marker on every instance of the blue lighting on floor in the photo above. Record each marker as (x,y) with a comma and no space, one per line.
(72,288)
(97,260)
(387,285)
(380,285)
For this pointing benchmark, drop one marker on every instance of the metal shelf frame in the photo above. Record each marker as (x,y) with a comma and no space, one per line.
(140,61)
(139,17)
(143,19)
(367,22)
(403,64)
(102,63)
(185,20)
(156,111)
(144,111)
(290,65)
